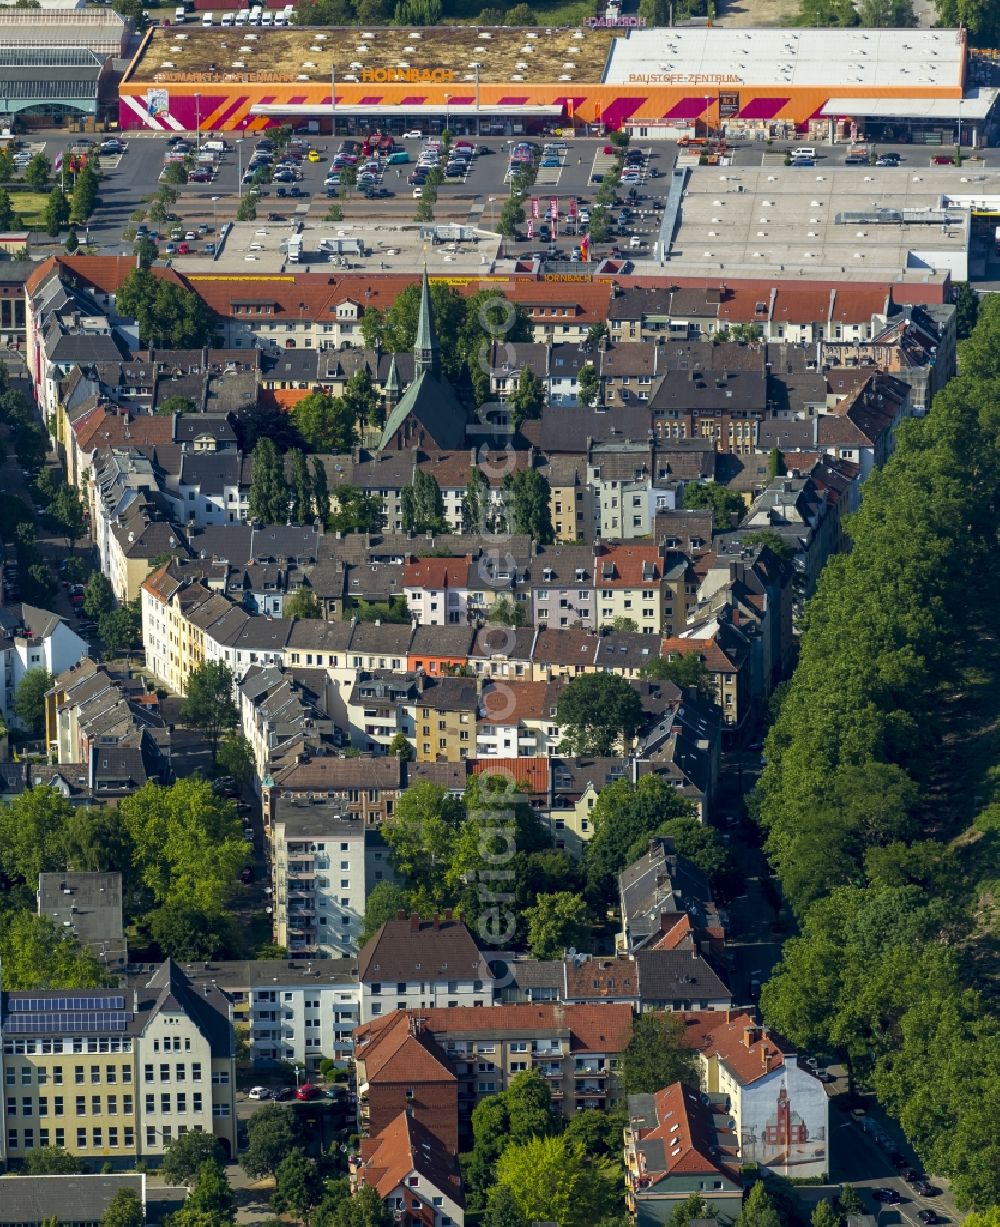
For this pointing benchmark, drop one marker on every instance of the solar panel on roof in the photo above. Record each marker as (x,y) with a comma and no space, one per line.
(30,1005)
(65,1024)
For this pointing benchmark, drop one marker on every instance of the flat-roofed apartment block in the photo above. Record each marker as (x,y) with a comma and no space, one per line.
(89,1071)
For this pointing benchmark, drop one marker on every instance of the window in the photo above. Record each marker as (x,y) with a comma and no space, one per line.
(81,1105)
(195,1102)
(150,1103)
(57,1107)
(95,1075)
(128,1135)
(179,1072)
(95,1105)
(81,1139)
(150,1136)
(196,1071)
(181,1101)
(97,1137)
(78,1075)
(148,1073)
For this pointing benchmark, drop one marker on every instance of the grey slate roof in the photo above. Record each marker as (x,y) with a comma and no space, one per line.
(68,1199)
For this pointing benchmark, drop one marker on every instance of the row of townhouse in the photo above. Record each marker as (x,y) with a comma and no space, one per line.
(114,1075)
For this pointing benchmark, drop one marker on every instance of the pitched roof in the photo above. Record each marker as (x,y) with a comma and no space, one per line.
(590,1028)
(507,702)
(434,573)
(531,775)
(392,1051)
(435,409)
(415,949)
(678,975)
(681,1135)
(748,1050)
(405,1146)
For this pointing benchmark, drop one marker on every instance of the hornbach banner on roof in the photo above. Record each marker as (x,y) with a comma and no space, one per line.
(406,74)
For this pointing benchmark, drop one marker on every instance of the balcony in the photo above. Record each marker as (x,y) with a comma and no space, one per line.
(549,1071)
(593,1071)
(589,1088)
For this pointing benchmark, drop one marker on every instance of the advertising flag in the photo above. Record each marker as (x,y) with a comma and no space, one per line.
(536,207)
(554,208)
(531,229)
(57,165)
(585,248)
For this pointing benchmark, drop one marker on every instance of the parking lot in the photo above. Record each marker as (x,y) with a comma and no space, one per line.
(571,176)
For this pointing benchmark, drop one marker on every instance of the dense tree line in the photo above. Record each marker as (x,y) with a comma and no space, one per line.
(879,797)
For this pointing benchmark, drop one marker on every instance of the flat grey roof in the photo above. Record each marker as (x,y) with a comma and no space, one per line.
(760,221)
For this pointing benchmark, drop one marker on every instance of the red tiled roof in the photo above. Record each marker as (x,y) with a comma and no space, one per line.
(592,1028)
(628,562)
(529,774)
(405,1146)
(685,1126)
(104,429)
(392,1052)
(749,1050)
(435,573)
(508,703)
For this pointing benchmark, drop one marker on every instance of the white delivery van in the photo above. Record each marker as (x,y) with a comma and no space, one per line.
(218,147)
(206,19)
(179,15)
(227,19)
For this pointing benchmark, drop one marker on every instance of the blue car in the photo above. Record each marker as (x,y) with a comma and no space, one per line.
(550,162)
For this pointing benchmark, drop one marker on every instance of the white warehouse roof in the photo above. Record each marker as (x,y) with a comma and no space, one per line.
(798,57)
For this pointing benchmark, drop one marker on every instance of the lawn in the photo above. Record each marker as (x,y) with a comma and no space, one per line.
(30,205)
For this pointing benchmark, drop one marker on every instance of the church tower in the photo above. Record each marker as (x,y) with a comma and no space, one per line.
(426,350)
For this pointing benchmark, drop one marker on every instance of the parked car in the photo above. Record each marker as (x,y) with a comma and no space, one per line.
(925,1189)
(246,875)
(259,1092)
(283,1094)
(888,1197)
(928,1216)
(307,1091)
(888,159)
(313,155)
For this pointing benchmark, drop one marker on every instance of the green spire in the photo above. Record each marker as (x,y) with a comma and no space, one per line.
(426,350)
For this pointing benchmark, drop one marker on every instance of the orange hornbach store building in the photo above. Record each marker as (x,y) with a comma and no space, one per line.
(506,81)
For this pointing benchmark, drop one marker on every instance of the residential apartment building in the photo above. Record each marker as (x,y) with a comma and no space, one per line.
(295,1010)
(780,1110)
(416,1177)
(89,1070)
(476,1051)
(679,1142)
(320,875)
(32,638)
(411,963)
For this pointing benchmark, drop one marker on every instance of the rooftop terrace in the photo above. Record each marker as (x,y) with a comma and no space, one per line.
(502,55)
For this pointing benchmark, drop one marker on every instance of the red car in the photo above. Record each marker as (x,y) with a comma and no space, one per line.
(308,1091)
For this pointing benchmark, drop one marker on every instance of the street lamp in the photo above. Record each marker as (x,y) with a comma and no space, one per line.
(215,201)
(239,168)
(447,99)
(197,121)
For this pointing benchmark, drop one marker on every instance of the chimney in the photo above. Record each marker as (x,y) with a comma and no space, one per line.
(400,915)
(436,922)
(749,1036)
(448,914)
(765,1053)
(414,924)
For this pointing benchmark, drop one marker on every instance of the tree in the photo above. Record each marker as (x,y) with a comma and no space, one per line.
(298,1186)
(211,1193)
(824,1215)
(37,953)
(321,491)
(94,840)
(56,213)
(851,1201)
(966,302)
(475,502)
(98,596)
(722,502)
(270,1137)
(527,399)
(8,168)
(121,628)
(686,670)
(554,1181)
(185,1154)
(623,814)
(29,701)
(697,842)
(168,314)
(782,549)
(209,705)
(511,217)
(528,496)
(84,196)
(300,487)
(6,209)
(303,604)
(268,498)
(327,423)
(124,1210)
(38,172)
(503,1210)
(401,747)
(385,902)
(555,923)
(422,505)
(423,835)
(598,711)
(184,933)
(67,510)
(897,14)
(506,612)
(775,463)
(51,1161)
(264,421)
(758,1209)
(361,403)
(589,383)
(187,841)
(31,826)
(357,511)
(655,1055)
(175,404)
(235,758)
